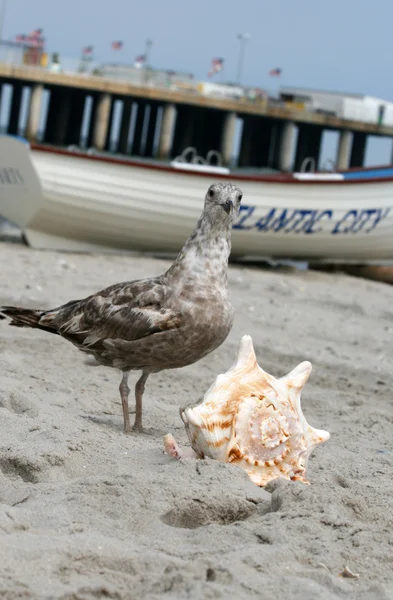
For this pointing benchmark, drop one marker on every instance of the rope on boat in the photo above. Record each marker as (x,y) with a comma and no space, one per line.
(190,155)
(329,166)
(305,163)
(214,153)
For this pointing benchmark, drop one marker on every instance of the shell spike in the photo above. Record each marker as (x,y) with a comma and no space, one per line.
(319,436)
(298,377)
(246,354)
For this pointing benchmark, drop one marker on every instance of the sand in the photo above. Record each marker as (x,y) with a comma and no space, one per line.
(87,512)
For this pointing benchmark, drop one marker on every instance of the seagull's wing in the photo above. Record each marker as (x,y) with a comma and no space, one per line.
(127,311)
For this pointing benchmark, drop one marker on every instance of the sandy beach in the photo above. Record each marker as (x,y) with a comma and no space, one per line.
(87,512)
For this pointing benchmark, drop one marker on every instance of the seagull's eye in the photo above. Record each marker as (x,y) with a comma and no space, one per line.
(240,196)
(210,193)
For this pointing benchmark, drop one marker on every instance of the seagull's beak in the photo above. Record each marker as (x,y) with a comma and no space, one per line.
(227,206)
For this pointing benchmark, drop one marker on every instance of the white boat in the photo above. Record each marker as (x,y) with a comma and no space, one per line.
(83,202)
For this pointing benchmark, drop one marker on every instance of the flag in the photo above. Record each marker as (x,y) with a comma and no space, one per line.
(87,50)
(275,72)
(216,66)
(117,45)
(35,42)
(36,33)
(139,61)
(35,39)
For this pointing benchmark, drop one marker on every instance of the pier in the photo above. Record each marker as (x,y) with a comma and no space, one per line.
(160,123)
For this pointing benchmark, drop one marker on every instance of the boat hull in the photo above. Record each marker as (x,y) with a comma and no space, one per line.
(20,187)
(95,204)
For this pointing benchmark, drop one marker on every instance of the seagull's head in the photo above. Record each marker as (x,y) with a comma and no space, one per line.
(223,199)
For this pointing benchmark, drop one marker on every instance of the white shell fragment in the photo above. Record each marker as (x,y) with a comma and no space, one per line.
(251,419)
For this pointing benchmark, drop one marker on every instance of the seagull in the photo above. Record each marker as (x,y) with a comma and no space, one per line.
(164,322)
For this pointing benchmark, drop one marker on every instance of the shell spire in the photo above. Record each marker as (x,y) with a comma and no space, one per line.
(251,419)
(246,353)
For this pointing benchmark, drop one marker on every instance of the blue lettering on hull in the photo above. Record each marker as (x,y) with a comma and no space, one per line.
(309,222)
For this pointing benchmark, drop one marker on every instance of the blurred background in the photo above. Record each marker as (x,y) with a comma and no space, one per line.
(252,48)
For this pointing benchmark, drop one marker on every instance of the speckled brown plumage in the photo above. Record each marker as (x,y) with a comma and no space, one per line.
(165,322)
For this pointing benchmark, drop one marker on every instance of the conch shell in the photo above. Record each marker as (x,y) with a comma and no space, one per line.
(251,419)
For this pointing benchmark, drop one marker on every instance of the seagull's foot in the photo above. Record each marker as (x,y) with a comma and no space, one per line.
(127,429)
(137,428)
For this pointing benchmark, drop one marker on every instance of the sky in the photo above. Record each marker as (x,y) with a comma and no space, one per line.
(338,45)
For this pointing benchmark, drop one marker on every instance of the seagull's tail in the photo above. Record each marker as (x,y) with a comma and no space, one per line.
(25,317)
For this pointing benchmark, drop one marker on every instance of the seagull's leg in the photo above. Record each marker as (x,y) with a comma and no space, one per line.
(124,393)
(139,389)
